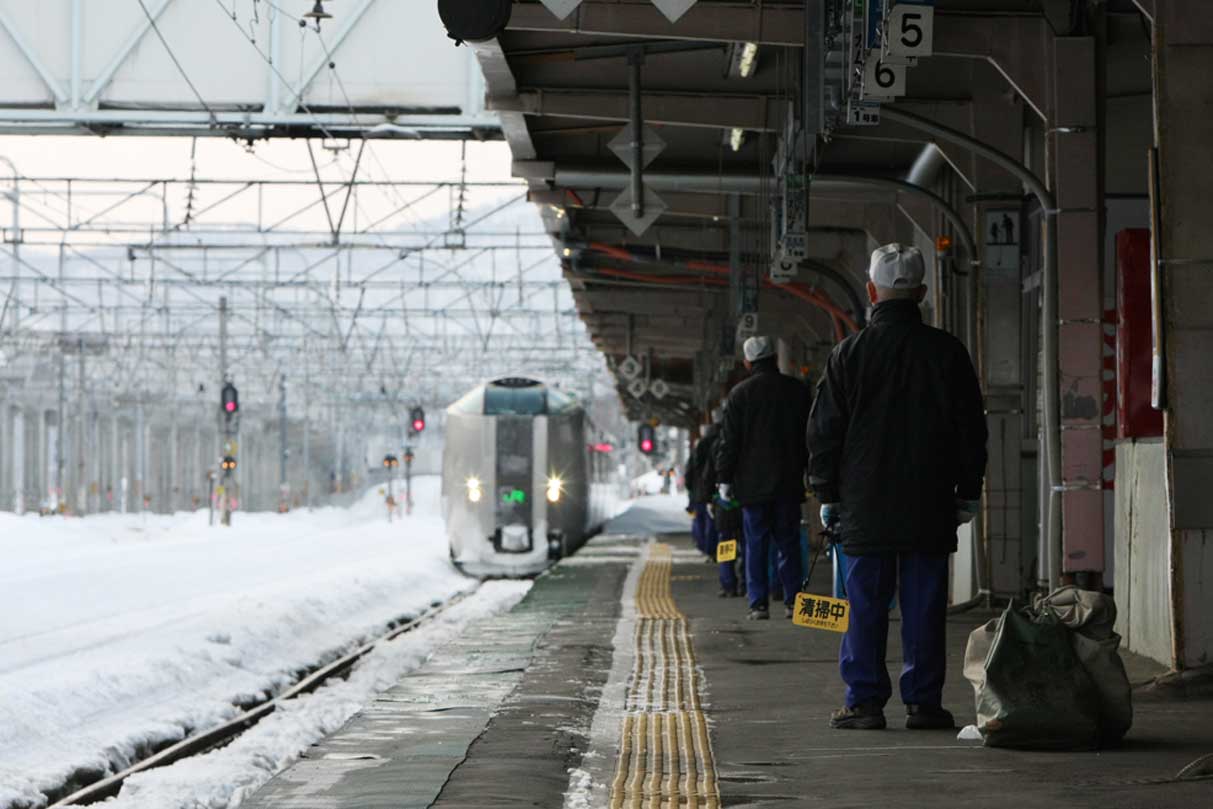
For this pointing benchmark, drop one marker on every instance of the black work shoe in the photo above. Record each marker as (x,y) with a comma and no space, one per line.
(788,612)
(725,593)
(759,614)
(922,717)
(858,717)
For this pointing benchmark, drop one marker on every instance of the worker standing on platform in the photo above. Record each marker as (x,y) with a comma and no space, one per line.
(697,498)
(760,463)
(897,439)
(701,488)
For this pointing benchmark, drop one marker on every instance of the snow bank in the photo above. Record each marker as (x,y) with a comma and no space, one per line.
(224,778)
(123,632)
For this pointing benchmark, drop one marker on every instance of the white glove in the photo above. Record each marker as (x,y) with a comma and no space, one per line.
(966,510)
(725,490)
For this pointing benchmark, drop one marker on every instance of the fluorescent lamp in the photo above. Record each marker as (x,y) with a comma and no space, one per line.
(749,59)
(736,138)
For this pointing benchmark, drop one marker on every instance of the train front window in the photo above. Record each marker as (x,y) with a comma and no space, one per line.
(502,401)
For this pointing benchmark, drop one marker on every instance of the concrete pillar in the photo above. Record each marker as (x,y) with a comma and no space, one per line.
(1183,118)
(1074,144)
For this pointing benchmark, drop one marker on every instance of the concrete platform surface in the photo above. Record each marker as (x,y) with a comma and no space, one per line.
(622,680)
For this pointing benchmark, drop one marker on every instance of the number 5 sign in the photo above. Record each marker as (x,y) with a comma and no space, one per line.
(910,31)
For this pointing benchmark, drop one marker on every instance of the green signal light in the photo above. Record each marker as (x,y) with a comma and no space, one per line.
(514,496)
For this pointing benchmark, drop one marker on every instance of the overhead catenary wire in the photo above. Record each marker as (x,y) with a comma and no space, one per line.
(270,62)
(159,35)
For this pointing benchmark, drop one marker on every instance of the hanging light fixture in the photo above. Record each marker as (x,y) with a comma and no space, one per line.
(318,13)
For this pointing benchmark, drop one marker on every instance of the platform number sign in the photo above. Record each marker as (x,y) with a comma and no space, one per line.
(726,551)
(909,31)
(822,612)
(883,80)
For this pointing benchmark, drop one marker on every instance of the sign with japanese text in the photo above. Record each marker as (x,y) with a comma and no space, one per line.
(822,612)
(726,551)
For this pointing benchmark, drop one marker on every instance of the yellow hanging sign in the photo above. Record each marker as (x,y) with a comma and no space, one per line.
(726,550)
(822,612)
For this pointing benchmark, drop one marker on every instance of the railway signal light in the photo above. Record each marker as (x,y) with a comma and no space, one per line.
(418,418)
(228,464)
(647,438)
(229,399)
(391,461)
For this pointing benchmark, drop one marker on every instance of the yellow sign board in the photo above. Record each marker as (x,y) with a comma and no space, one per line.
(822,612)
(726,551)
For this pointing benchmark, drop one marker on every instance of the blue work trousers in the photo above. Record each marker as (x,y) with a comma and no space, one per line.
(776,523)
(872,582)
(700,528)
(710,539)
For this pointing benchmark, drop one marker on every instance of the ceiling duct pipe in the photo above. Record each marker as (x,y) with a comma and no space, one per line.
(927,165)
(752,184)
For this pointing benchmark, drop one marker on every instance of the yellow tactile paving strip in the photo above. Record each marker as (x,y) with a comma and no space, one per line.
(665,753)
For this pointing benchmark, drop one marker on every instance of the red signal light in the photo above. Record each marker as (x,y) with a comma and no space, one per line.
(230,407)
(647,439)
(418,425)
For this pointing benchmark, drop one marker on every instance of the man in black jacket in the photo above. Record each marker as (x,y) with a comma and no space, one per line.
(760,463)
(897,439)
(701,490)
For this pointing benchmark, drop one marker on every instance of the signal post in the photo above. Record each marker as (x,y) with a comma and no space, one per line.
(229,403)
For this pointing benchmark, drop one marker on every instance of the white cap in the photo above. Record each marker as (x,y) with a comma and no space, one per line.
(897,267)
(759,348)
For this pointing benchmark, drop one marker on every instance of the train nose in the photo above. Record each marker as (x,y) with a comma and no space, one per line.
(515,538)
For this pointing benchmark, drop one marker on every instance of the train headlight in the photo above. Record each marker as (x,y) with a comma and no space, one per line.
(475,492)
(555,489)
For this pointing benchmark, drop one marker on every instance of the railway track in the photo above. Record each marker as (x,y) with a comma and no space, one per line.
(219,735)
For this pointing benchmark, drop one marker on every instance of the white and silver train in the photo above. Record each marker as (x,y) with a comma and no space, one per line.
(522,481)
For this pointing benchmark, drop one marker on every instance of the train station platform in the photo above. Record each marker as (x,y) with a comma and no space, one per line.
(621,680)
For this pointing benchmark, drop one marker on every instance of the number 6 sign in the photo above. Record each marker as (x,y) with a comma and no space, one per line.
(911,31)
(882,80)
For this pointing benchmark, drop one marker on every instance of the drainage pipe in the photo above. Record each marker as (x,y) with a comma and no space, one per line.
(1051,544)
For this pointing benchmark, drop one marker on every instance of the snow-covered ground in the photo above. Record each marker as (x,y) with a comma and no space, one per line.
(123,631)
